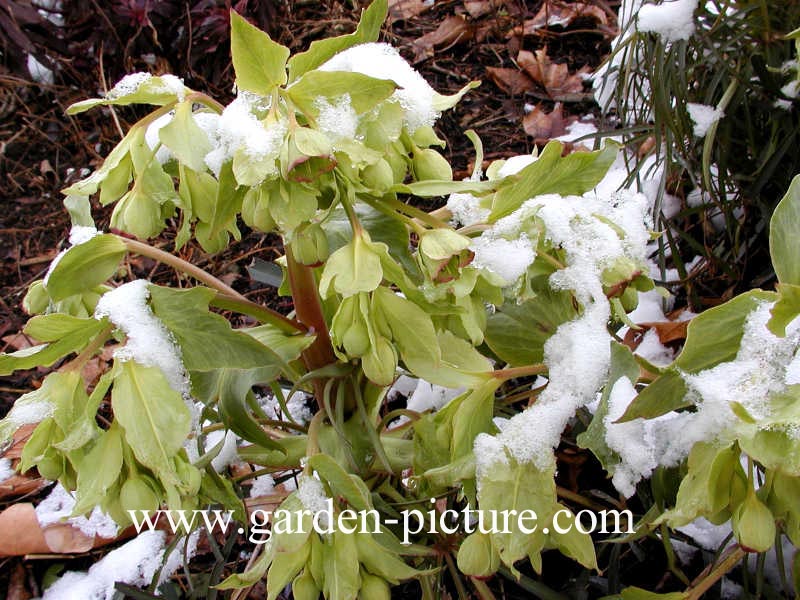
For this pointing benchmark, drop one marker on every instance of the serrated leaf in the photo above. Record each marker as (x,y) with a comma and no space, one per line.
(151,90)
(784,231)
(665,394)
(518,486)
(206,339)
(155,419)
(517,332)
(369,27)
(551,173)
(85,266)
(259,62)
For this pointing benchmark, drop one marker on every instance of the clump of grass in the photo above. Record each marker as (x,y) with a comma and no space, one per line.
(741,60)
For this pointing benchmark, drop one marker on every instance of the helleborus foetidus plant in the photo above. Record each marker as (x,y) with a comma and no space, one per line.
(527,271)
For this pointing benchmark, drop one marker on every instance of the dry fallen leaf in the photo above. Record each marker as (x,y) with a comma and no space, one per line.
(452,30)
(511,81)
(553,14)
(17,341)
(478,8)
(400,10)
(553,77)
(543,127)
(17,584)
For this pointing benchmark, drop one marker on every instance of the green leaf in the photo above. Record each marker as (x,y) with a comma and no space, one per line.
(714,336)
(369,27)
(786,308)
(665,394)
(461,364)
(64,334)
(259,62)
(157,90)
(429,189)
(381,561)
(211,233)
(444,102)
(230,388)
(252,575)
(340,558)
(517,332)
(518,486)
(85,266)
(635,593)
(206,339)
(340,482)
(365,92)
(381,228)
(287,347)
(89,185)
(412,328)
(623,364)
(99,469)
(551,173)
(575,544)
(784,232)
(353,268)
(285,566)
(183,136)
(155,419)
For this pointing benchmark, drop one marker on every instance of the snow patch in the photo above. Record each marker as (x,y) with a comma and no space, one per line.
(149,342)
(703,116)
(58,507)
(382,61)
(6,470)
(672,20)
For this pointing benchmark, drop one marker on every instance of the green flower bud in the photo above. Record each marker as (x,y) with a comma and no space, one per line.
(304,587)
(310,245)
(37,299)
(374,588)
(189,475)
(379,177)
(255,210)
(630,299)
(356,339)
(477,557)
(380,363)
(51,465)
(136,494)
(754,525)
(399,164)
(429,164)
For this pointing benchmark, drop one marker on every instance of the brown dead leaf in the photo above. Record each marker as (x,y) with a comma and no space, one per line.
(20,532)
(18,341)
(553,77)
(553,14)
(670,331)
(479,8)
(511,81)
(21,485)
(400,10)
(543,127)
(452,30)
(21,436)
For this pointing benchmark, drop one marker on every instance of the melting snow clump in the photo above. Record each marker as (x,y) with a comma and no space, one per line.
(148,342)
(703,116)
(58,506)
(382,61)
(673,20)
